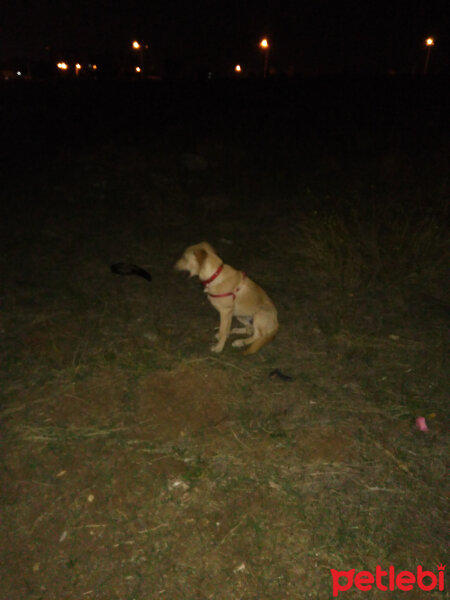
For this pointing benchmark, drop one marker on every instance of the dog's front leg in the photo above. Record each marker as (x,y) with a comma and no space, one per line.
(226,317)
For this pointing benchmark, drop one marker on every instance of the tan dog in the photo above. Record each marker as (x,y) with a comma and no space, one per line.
(232,294)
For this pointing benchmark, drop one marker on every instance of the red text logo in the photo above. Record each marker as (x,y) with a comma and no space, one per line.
(390,579)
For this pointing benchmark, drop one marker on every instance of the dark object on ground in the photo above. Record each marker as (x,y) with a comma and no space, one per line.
(126,269)
(277,373)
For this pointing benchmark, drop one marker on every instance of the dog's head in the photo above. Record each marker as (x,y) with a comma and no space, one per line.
(194,258)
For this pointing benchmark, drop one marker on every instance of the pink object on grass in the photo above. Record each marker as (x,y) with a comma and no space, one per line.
(421,424)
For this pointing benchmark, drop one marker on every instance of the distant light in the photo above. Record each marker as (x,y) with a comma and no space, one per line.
(94,67)
(78,66)
(264,43)
(138,69)
(63,66)
(19,73)
(237,68)
(429,41)
(136,45)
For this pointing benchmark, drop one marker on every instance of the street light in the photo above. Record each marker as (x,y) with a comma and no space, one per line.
(429,43)
(238,69)
(264,45)
(137,46)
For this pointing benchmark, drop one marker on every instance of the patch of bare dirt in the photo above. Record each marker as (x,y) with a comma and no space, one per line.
(324,445)
(177,403)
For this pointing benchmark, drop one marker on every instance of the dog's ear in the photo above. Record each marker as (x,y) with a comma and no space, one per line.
(200,256)
(207,246)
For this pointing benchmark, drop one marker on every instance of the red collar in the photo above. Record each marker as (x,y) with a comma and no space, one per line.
(213,276)
(229,293)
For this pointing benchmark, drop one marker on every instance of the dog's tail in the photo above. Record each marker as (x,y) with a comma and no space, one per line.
(260,342)
(127,269)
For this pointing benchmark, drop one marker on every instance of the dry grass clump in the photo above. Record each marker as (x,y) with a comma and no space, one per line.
(372,246)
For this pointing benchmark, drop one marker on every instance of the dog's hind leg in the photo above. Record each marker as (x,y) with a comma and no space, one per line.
(248,329)
(244,341)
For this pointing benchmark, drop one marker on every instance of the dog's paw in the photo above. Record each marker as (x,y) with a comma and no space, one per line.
(238,343)
(217,348)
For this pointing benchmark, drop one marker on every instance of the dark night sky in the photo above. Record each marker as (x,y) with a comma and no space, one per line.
(313,35)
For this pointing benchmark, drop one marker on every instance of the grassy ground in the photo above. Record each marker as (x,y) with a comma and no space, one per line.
(137,465)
